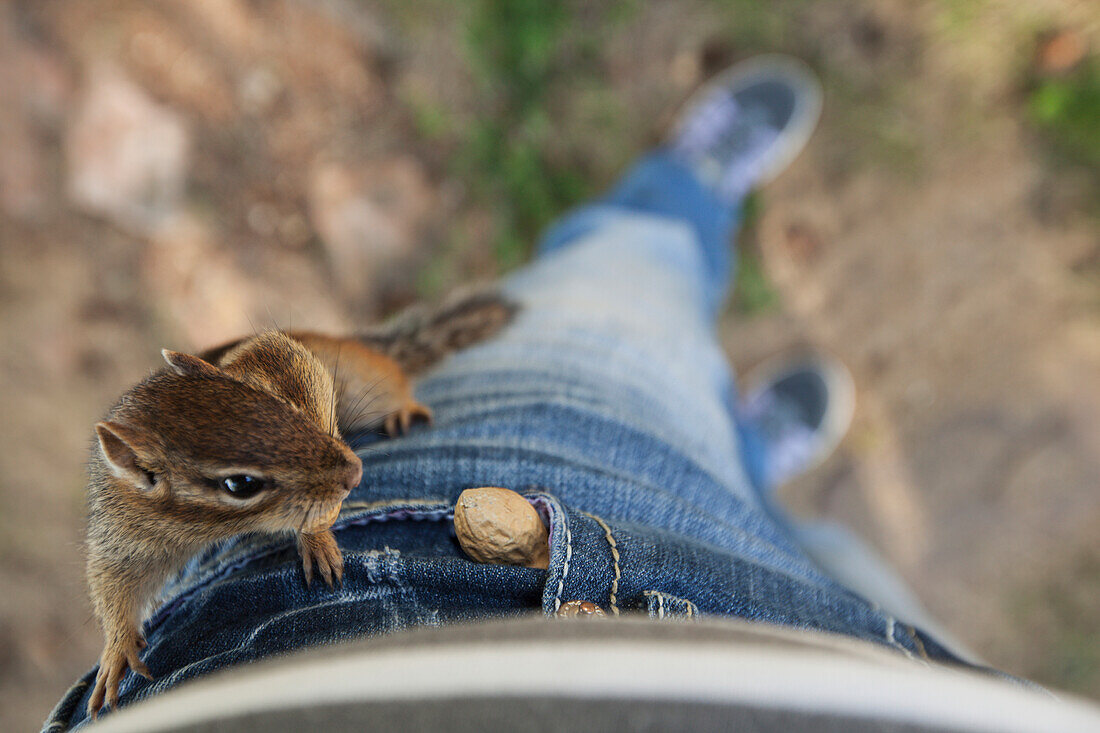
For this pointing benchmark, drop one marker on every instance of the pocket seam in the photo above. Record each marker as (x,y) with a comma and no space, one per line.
(613,595)
(565,565)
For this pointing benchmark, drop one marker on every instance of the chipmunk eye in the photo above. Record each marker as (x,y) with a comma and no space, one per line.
(242,486)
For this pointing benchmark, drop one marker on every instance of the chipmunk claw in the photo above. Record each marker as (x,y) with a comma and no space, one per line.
(112,668)
(398,423)
(321,549)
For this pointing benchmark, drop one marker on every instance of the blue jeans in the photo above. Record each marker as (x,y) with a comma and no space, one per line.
(608,404)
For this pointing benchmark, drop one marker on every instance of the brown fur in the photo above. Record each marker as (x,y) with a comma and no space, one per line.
(419,338)
(154,499)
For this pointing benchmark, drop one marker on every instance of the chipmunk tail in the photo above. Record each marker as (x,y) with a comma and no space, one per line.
(420,338)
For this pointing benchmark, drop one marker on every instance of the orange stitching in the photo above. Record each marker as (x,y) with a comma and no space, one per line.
(916,640)
(615,559)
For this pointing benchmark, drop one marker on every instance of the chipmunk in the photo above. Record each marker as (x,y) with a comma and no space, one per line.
(247,438)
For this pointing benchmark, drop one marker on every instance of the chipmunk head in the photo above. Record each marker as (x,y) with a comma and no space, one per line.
(249,447)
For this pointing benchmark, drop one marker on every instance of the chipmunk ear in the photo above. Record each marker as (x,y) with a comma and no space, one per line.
(123,448)
(186,365)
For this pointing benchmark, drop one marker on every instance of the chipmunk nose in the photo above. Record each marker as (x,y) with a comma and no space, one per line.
(354,473)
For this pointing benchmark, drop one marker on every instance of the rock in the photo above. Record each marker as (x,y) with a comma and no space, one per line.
(369,219)
(34,93)
(500,527)
(263,218)
(258,90)
(686,69)
(127,155)
(1061,52)
(24,183)
(208,292)
(199,288)
(802,242)
(33,78)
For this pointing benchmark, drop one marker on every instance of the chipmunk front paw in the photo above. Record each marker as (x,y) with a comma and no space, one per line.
(399,422)
(117,656)
(321,548)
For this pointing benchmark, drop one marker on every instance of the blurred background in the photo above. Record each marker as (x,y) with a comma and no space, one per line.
(175,173)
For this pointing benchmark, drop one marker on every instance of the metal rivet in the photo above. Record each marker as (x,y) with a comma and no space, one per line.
(575,609)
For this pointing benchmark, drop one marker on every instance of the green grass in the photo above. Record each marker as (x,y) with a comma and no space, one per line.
(1067,111)
(754,26)
(433,122)
(520,51)
(1059,621)
(959,17)
(753,292)
(552,133)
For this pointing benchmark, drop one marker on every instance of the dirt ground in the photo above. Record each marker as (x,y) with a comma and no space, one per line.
(174,174)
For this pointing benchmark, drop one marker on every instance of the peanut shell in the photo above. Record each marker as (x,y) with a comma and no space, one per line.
(500,527)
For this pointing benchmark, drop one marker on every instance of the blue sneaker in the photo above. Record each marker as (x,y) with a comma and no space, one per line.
(801,407)
(748,123)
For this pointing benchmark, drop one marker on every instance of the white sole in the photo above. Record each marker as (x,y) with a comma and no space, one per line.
(804,116)
(838,382)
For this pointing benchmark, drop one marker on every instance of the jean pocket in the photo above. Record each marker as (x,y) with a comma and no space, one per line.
(585,561)
(604,563)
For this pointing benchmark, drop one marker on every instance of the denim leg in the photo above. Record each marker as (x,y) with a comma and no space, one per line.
(625,309)
(626,291)
(662,186)
(630,286)
(610,401)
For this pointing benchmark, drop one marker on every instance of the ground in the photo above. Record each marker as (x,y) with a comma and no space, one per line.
(174,174)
